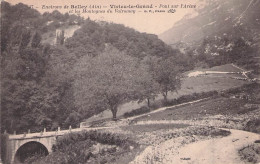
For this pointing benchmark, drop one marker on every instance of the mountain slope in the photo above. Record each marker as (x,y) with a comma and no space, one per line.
(237,17)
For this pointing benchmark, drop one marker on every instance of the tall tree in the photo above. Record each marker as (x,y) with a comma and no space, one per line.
(107,80)
(167,73)
(150,88)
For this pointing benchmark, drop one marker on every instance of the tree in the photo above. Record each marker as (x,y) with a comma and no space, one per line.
(60,38)
(25,39)
(36,40)
(167,74)
(26,102)
(107,80)
(149,86)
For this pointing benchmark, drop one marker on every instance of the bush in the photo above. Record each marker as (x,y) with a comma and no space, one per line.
(192,97)
(249,88)
(138,111)
(34,157)
(104,138)
(53,158)
(253,126)
(250,153)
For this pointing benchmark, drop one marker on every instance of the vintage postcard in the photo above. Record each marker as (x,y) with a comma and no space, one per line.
(137,81)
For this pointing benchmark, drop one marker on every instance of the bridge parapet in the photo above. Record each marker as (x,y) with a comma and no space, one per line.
(42,134)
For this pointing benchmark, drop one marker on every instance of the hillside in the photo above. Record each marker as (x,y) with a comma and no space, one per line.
(221,32)
(44,61)
(216,19)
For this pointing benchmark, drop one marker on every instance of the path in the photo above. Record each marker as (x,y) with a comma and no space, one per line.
(212,151)
(164,108)
(216,150)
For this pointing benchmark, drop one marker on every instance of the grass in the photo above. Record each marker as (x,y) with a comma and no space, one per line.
(225,68)
(189,86)
(153,127)
(220,105)
(221,68)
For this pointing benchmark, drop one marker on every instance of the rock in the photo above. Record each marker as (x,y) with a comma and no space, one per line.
(185,158)
(234,140)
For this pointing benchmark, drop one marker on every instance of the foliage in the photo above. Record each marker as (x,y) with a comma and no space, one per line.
(36,90)
(180,100)
(101,137)
(192,97)
(93,37)
(252,88)
(26,103)
(138,111)
(253,126)
(250,153)
(225,49)
(48,86)
(108,80)
(168,75)
(150,87)
(36,40)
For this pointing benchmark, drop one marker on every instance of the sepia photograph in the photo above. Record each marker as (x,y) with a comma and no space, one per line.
(130,82)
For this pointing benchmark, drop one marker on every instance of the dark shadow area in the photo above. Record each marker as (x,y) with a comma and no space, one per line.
(29,150)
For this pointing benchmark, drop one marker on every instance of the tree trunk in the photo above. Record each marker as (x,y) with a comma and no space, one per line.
(165,96)
(114,111)
(148,103)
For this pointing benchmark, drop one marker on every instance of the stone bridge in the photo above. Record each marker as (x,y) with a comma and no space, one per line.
(19,147)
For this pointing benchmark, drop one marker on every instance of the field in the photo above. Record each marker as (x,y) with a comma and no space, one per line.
(189,85)
(217,106)
(222,68)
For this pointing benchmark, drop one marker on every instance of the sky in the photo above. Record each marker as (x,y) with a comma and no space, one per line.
(155,23)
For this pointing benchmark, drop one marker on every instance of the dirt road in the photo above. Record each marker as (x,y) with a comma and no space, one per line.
(212,151)
(217,151)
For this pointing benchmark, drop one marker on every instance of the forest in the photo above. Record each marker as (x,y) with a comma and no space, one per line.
(100,67)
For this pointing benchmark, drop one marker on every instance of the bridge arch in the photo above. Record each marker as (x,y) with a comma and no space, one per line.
(29,149)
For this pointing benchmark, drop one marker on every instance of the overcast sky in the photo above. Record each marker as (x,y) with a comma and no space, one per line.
(143,22)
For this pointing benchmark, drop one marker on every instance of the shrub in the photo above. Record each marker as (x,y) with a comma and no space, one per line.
(34,157)
(80,148)
(192,97)
(249,88)
(104,138)
(250,153)
(138,111)
(53,158)
(253,126)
